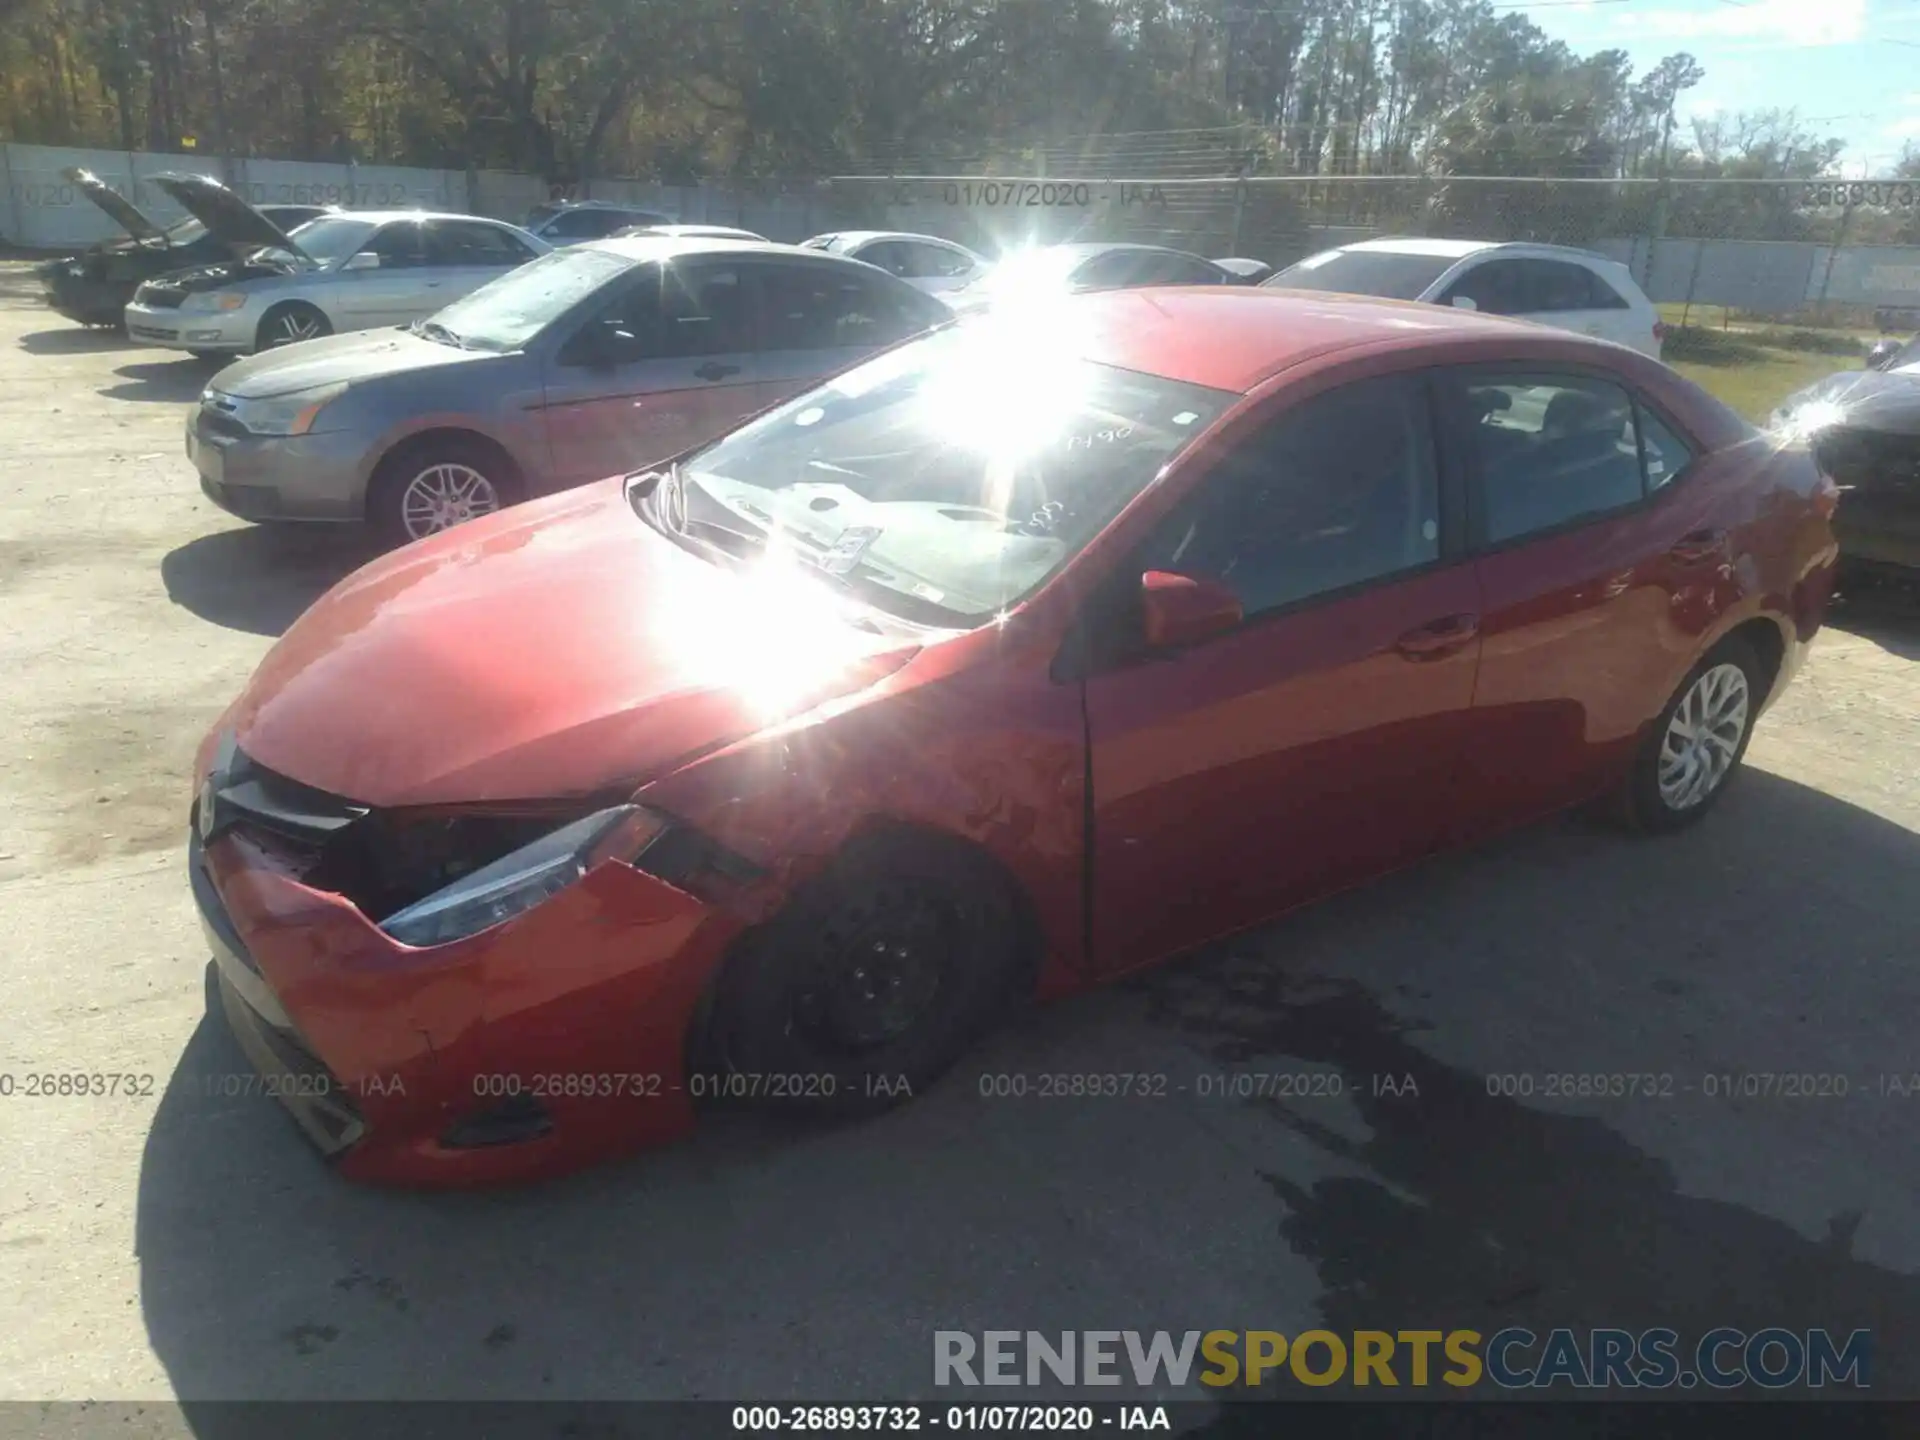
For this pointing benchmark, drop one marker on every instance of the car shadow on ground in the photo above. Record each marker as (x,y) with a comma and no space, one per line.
(74,340)
(168,382)
(1888,614)
(824,1261)
(258,578)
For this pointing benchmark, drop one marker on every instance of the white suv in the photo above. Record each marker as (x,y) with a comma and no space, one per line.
(1553,284)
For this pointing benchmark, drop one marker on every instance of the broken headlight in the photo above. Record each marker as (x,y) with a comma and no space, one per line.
(519,881)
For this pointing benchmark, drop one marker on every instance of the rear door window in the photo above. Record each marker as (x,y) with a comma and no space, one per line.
(1552,287)
(1547,450)
(470,242)
(835,307)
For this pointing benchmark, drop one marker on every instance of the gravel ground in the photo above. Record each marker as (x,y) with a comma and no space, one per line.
(185,1244)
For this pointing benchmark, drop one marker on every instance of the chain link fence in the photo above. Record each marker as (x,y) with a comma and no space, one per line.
(1778,248)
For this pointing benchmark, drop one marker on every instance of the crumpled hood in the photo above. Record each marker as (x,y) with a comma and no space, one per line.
(1888,401)
(560,648)
(358,355)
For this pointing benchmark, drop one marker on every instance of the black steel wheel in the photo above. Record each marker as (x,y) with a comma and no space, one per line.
(870,984)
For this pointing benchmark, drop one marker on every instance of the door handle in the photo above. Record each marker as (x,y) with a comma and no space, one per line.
(1438,639)
(714,370)
(1697,546)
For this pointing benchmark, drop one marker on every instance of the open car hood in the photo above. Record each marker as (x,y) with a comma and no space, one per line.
(122,211)
(227,217)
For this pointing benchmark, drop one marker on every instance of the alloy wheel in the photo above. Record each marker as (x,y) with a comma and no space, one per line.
(445,495)
(293,327)
(1703,737)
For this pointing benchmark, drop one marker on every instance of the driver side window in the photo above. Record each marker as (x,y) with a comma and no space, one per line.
(1338,491)
(399,245)
(625,330)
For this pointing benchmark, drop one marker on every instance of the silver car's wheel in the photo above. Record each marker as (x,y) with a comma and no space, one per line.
(1703,738)
(444,495)
(289,325)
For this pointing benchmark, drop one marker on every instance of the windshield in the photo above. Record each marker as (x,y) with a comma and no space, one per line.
(946,479)
(505,313)
(331,239)
(1393,274)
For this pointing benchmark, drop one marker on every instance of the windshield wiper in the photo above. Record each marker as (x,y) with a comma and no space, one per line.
(434,330)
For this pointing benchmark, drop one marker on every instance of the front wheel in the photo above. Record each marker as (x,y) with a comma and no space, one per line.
(869,985)
(289,324)
(1696,746)
(425,488)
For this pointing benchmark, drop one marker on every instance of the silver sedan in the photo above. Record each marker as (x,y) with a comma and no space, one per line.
(594,360)
(361,271)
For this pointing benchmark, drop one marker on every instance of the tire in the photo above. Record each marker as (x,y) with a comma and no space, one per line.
(289,324)
(801,1023)
(474,478)
(1667,791)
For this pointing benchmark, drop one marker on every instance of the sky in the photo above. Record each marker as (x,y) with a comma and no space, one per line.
(1850,67)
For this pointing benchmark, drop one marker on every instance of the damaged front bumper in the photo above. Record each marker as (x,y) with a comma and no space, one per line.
(547,1042)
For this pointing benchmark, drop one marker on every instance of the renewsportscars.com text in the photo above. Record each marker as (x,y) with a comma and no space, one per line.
(1725,1358)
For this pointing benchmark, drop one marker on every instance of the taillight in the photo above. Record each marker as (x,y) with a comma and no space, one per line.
(1659,331)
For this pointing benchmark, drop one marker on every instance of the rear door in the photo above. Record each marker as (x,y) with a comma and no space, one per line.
(1591,554)
(463,255)
(668,361)
(1319,742)
(818,318)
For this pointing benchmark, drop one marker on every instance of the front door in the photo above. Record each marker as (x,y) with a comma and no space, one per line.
(391,293)
(668,362)
(1318,743)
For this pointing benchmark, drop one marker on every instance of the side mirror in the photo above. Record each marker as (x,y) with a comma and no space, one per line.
(1180,610)
(362,260)
(1881,355)
(1465,302)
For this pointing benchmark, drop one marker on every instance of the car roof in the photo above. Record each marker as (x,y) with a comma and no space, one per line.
(861,237)
(640,248)
(1233,337)
(1460,249)
(380,217)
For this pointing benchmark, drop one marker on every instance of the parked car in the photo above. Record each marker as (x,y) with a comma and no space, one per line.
(590,361)
(1864,428)
(1245,271)
(1018,658)
(687,232)
(1054,270)
(1551,284)
(569,222)
(93,287)
(1891,354)
(926,262)
(366,270)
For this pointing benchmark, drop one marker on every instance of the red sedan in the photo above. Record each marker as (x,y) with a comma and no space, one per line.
(1032,652)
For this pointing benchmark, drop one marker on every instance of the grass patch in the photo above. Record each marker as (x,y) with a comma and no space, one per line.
(1758,380)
